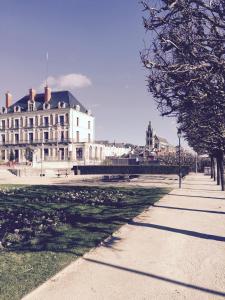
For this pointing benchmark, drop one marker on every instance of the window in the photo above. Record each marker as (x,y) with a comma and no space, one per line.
(46,106)
(101,153)
(46,153)
(89,124)
(36,120)
(77,121)
(61,120)
(16,138)
(31,137)
(89,138)
(4,110)
(31,107)
(62,137)
(17,109)
(3,139)
(61,153)
(96,153)
(3,155)
(46,122)
(90,153)
(16,155)
(16,123)
(3,124)
(46,136)
(51,119)
(31,122)
(61,104)
(79,153)
(67,118)
(78,136)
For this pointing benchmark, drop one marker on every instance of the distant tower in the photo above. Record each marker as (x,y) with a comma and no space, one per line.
(150,137)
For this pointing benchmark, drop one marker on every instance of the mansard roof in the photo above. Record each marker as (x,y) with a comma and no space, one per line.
(56,97)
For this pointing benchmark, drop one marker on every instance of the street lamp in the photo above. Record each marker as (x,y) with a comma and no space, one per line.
(179,137)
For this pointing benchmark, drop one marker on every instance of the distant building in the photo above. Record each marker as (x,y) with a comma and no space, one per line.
(150,137)
(155,143)
(54,126)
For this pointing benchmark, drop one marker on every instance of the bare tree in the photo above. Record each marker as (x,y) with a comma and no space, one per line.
(186,68)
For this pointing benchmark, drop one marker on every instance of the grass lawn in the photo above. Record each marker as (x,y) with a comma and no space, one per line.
(44,228)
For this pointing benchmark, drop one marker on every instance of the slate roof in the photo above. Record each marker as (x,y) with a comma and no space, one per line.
(56,97)
(162,140)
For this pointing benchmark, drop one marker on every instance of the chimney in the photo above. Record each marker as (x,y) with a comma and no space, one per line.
(32,94)
(8,100)
(47,94)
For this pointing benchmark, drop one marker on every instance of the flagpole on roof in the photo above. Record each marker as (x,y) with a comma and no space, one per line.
(46,69)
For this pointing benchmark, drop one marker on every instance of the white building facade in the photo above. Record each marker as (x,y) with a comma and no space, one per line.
(49,127)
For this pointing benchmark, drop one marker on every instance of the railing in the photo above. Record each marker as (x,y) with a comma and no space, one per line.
(35,141)
(27,126)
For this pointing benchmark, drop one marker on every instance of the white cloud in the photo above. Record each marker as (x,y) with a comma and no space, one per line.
(67,82)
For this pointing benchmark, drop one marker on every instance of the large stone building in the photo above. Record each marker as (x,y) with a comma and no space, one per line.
(50,127)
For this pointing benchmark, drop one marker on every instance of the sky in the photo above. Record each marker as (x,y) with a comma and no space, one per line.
(93,50)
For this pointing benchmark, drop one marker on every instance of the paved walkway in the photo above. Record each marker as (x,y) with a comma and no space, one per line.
(174,250)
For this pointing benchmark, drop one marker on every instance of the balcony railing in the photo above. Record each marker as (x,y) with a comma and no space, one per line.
(35,141)
(42,125)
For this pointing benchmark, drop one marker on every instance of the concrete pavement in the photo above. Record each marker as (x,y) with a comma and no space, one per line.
(174,250)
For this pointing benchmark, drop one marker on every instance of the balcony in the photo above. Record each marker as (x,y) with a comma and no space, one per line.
(36,142)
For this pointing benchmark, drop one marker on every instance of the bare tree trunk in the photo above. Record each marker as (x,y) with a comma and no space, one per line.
(221,166)
(211,158)
(214,170)
(218,171)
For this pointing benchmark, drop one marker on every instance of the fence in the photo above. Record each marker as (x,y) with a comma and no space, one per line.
(134,169)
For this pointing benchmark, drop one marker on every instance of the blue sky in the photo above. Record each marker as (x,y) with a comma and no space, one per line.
(99,39)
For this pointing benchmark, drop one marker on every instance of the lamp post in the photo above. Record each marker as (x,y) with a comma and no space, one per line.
(179,137)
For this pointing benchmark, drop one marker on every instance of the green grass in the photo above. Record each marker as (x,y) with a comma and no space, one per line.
(44,228)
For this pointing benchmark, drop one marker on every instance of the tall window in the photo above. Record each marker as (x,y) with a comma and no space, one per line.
(2,154)
(46,136)
(61,120)
(89,124)
(31,137)
(62,136)
(31,122)
(78,136)
(3,124)
(77,121)
(46,121)
(16,138)
(79,153)
(16,123)
(89,138)
(3,139)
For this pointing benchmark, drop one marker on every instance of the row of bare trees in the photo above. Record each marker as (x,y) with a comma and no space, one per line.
(185,60)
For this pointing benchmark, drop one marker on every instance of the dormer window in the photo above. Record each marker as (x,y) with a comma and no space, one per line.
(4,110)
(77,107)
(61,104)
(46,106)
(17,108)
(31,106)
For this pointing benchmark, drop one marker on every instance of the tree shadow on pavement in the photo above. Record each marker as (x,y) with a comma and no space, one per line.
(157,277)
(181,231)
(194,196)
(191,209)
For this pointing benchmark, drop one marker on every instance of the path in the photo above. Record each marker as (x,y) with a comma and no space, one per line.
(175,250)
